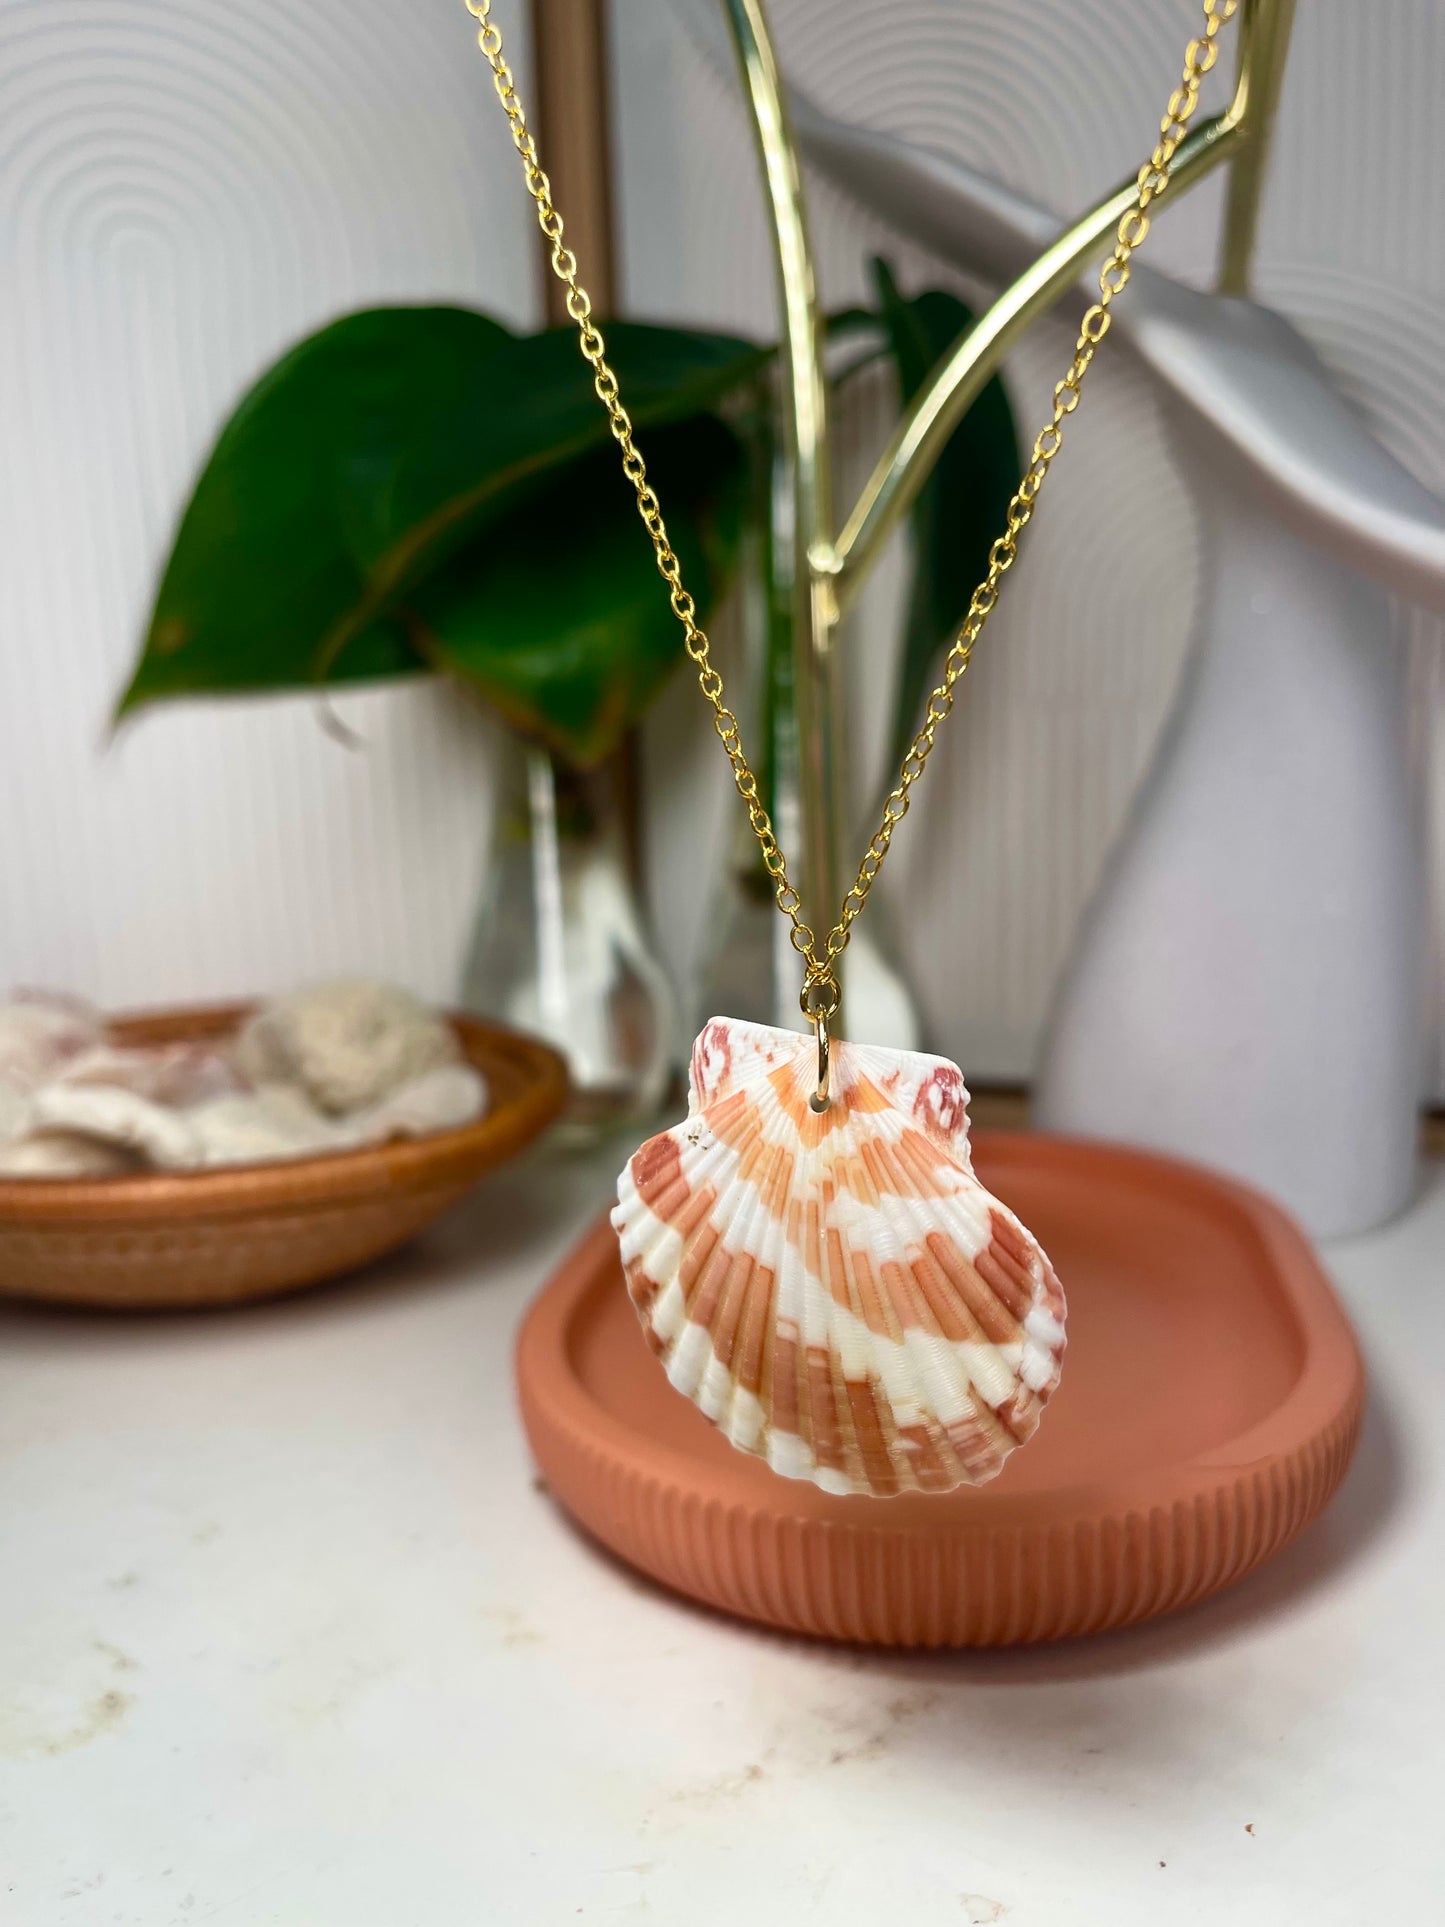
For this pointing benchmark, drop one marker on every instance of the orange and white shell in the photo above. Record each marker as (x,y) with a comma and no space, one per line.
(835,1290)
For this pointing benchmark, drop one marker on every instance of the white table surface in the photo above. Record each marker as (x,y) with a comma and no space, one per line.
(289,1636)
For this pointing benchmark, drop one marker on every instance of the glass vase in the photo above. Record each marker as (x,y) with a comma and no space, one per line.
(560,946)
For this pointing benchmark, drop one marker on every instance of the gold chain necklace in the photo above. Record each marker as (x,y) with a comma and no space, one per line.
(816,1264)
(821,997)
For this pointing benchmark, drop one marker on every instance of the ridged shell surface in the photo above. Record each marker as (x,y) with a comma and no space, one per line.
(836,1290)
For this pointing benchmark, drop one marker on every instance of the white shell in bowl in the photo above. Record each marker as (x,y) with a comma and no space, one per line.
(837,1291)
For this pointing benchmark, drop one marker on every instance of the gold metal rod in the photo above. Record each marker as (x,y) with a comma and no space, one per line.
(1264,31)
(950,391)
(569,59)
(806,417)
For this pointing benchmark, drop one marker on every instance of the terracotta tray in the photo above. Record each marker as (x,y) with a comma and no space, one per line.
(1210,1405)
(192,1238)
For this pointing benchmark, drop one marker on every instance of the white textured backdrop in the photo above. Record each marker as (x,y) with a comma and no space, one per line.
(185,188)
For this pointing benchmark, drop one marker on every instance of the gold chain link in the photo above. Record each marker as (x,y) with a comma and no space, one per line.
(820,998)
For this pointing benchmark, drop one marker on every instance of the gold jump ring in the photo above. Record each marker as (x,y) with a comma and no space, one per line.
(819,1101)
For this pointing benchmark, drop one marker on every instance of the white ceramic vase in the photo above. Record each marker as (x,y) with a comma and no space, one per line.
(1246,988)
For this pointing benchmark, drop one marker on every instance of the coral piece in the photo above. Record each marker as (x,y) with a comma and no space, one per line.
(40,1032)
(173,1074)
(836,1290)
(441,1100)
(14,1112)
(277,1121)
(65,1154)
(280,1121)
(348,1044)
(151,1133)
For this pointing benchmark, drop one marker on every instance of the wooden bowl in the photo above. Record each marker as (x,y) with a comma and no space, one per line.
(158,1239)
(1210,1404)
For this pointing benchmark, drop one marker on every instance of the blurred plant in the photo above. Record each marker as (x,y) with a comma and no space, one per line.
(417,489)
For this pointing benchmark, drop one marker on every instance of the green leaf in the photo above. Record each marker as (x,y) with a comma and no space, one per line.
(559,616)
(963,505)
(260,565)
(365,458)
(839,323)
(533,408)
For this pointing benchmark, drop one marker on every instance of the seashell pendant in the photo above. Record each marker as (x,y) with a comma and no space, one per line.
(835,1290)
